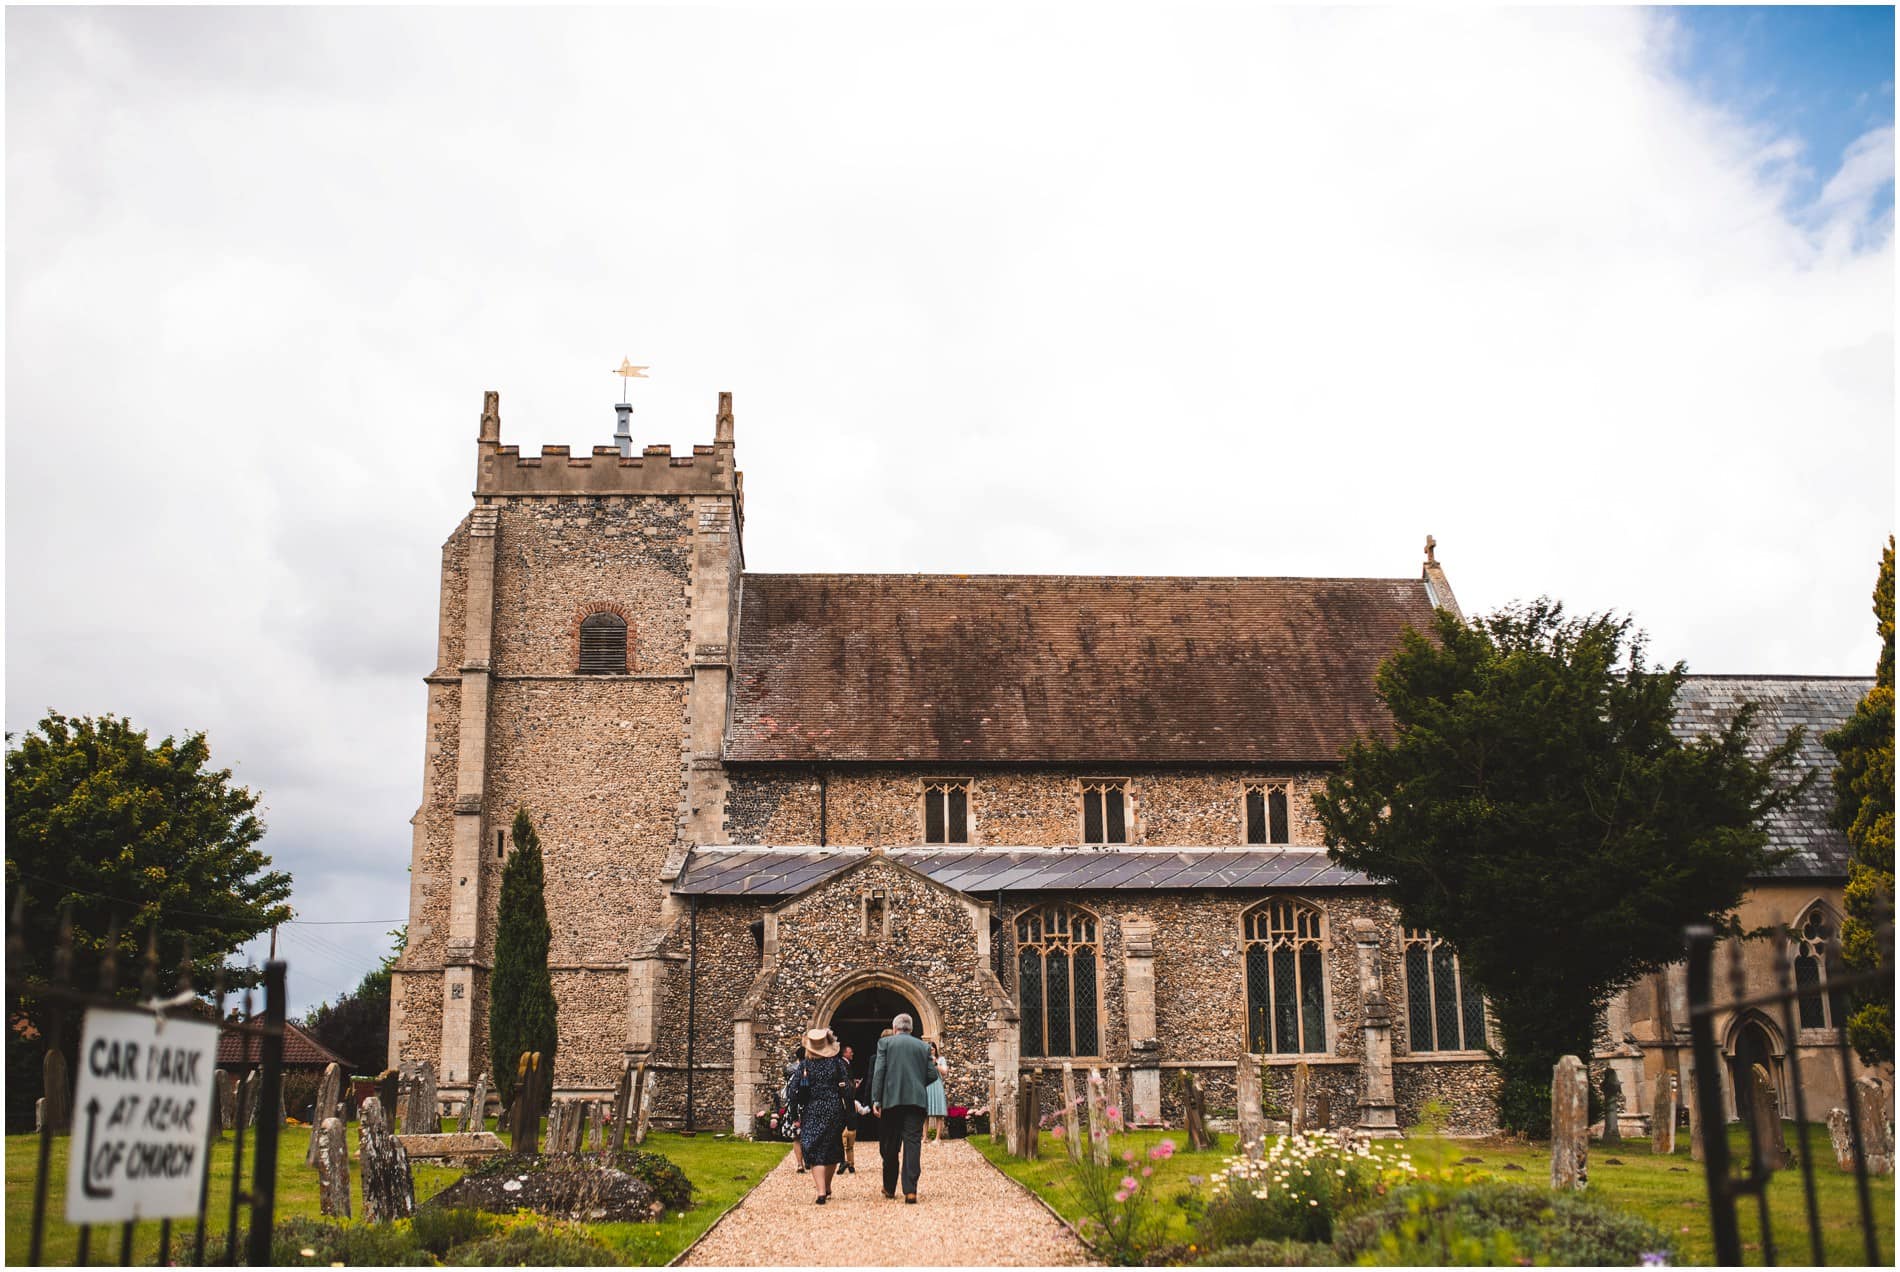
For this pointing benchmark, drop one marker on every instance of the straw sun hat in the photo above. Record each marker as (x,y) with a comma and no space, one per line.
(820,1043)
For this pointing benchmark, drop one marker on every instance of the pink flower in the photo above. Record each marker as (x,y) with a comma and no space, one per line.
(1128,1154)
(1121,1196)
(1129,1184)
(1114,1113)
(1056,1131)
(1146,1171)
(1155,1154)
(1167,1148)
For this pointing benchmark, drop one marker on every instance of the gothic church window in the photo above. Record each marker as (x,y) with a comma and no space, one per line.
(1819,1010)
(1057,959)
(1445,1014)
(603,645)
(947,812)
(1286,978)
(1105,812)
(1266,814)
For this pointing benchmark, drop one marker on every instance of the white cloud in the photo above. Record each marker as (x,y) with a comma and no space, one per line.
(1210,292)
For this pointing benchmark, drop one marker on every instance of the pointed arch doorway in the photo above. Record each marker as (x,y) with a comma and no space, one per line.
(861,1018)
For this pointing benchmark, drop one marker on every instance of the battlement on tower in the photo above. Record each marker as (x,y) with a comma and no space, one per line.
(504,470)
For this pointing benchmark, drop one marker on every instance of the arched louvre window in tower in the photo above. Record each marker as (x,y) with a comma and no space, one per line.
(603,645)
(1057,981)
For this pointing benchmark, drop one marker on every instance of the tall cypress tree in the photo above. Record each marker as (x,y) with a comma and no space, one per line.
(1863,808)
(520,993)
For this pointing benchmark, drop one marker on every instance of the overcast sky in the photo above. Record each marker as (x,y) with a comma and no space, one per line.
(1602,299)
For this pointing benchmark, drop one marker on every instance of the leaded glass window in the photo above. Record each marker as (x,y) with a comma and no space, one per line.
(1819,1010)
(1444,1013)
(1286,978)
(1057,958)
(1105,812)
(1266,811)
(947,813)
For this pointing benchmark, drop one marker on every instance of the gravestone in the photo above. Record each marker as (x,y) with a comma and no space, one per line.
(524,1115)
(1771,1149)
(557,1126)
(388,1191)
(623,1094)
(39,1116)
(389,1091)
(1874,1102)
(475,1116)
(1323,1110)
(422,1116)
(1569,1124)
(1612,1107)
(331,1153)
(452,1145)
(329,1089)
(1296,1103)
(1199,1137)
(1250,1121)
(1071,1115)
(643,1116)
(58,1091)
(1028,1120)
(1840,1137)
(596,1115)
(1098,1120)
(1662,1118)
(226,1086)
(1003,1116)
(636,1100)
(283,1100)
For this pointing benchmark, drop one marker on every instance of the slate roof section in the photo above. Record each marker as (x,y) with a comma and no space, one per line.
(909,668)
(1821,704)
(772,872)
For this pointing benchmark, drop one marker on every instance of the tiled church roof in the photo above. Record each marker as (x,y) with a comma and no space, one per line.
(778,872)
(1015,669)
(1821,704)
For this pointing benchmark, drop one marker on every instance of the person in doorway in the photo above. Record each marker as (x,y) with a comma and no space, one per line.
(937,1109)
(852,1112)
(900,1087)
(820,1088)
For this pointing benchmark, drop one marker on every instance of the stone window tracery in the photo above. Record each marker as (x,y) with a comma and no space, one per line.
(1286,978)
(1444,1013)
(1820,1008)
(1105,811)
(947,812)
(1266,810)
(1058,956)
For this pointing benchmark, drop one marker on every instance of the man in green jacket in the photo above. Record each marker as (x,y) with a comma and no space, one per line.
(900,1078)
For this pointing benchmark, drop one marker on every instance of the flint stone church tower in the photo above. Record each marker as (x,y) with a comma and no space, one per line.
(1055,818)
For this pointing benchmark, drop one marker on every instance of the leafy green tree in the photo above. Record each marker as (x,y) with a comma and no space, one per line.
(521,1008)
(114,829)
(1863,808)
(1535,808)
(356,1025)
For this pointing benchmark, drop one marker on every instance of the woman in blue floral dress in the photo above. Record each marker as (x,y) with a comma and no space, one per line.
(822,1085)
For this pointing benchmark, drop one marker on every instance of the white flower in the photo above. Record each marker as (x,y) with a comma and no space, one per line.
(511,1185)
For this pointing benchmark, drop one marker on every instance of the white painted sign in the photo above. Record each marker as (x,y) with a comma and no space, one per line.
(140,1112)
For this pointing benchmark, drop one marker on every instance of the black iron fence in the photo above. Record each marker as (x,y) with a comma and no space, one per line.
(1731,1181)
(57,1000)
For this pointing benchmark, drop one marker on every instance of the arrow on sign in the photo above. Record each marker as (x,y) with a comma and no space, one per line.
(92,1119)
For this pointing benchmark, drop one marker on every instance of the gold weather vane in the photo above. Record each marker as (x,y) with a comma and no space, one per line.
(627,371)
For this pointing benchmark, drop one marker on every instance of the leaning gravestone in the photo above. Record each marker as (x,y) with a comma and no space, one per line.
(1662,1118)
(388,1191)
(475,1116)
(1612,1107)
(1250,1121)
(643,1116)
(227,1099)
(1771,1148)
(1570,1124)
(59,1096)
(332,1154)
(1874,1101)
(329,1090)
(422,1116)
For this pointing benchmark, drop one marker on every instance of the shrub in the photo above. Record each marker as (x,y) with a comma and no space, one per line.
(437,1231)
(1119,1216)
(301,1242)
(1269,1254)
(539,1244)
(1298,1190)
(1444,1223)
(669,1183)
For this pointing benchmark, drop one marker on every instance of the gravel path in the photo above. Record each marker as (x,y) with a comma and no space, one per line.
(967,1213)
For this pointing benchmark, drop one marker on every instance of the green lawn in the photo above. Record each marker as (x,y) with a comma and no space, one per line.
(722,1171)
(1670,1192)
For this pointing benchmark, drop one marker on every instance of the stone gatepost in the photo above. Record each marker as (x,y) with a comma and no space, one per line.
(1570,1124)
(1378,1108)
(1138,991)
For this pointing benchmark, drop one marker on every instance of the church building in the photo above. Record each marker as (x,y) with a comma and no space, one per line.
(1054,818)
